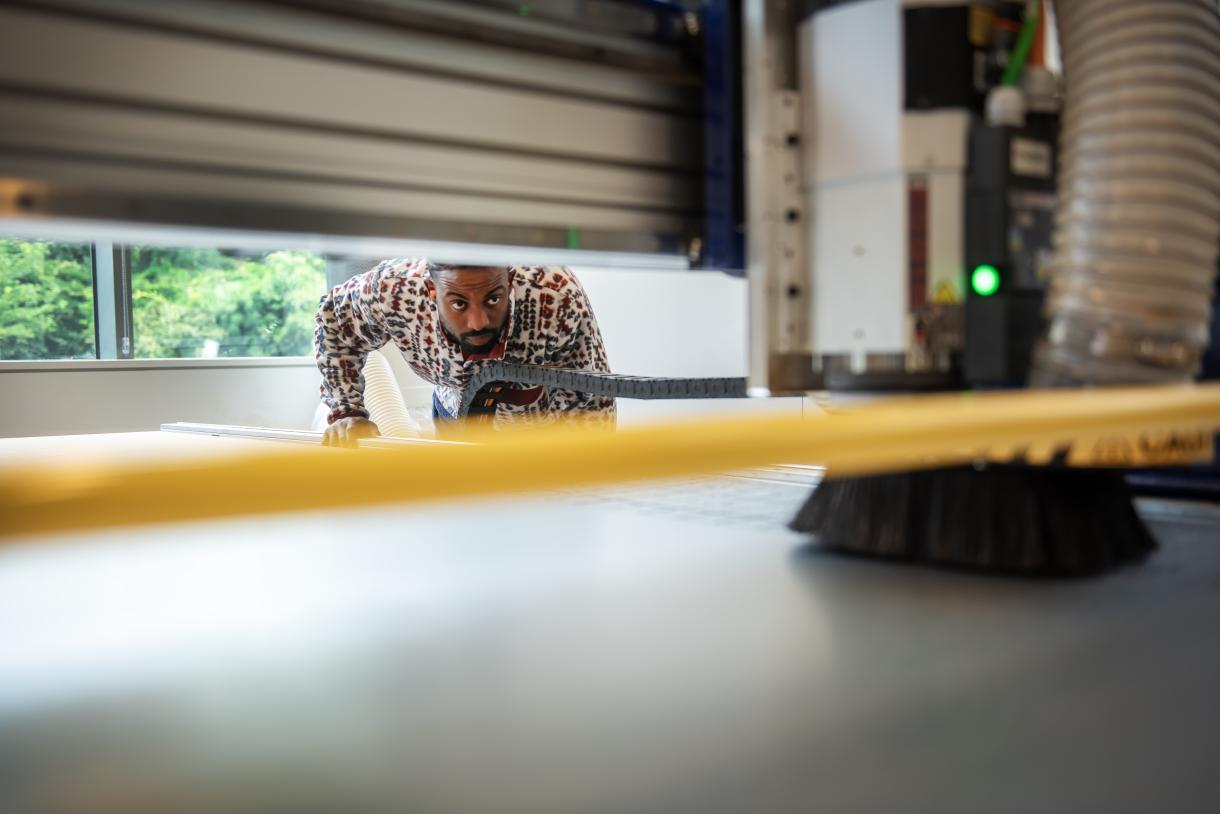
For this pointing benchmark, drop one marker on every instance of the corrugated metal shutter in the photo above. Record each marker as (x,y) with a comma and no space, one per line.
(394,119)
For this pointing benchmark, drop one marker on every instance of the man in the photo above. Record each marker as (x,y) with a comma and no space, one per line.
(447,320)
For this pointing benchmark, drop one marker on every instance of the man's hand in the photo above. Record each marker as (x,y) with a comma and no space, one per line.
(345,431)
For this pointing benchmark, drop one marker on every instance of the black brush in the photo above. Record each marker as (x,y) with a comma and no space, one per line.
(1002,518)
(999,518)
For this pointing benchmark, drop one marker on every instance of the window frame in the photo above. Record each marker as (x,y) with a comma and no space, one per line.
(113,311)
(61,365)
(114,318)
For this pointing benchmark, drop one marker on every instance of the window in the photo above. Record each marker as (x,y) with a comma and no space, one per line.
(208,303)
(178,302)
(46,300)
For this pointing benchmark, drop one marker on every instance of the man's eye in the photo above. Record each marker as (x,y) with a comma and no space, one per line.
(458,305)
(493,300)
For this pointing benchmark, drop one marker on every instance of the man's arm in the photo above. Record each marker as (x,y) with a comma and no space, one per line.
(349,325)
(585,351)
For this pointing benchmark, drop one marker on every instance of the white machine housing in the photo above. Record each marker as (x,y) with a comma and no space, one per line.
(885,188)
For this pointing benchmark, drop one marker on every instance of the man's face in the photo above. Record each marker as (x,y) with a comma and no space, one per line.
(472,304)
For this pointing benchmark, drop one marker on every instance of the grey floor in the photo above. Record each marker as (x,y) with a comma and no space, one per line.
(660,648)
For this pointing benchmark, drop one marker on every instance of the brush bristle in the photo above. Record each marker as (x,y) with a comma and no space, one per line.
(997,518)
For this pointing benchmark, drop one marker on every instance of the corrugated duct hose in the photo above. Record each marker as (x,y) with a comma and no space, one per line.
(383,399)
(1139,194)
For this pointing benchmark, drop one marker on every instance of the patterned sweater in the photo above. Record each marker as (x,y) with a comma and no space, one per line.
(550,322)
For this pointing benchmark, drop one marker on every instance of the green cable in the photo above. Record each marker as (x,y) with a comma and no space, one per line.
(1025,41)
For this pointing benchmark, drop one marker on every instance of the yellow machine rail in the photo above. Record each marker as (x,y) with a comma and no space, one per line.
(1153,424)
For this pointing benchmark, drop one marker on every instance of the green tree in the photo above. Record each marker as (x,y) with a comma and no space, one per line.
(46,300)
(260,306)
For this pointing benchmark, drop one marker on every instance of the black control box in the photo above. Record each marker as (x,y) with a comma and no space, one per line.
(1010,212)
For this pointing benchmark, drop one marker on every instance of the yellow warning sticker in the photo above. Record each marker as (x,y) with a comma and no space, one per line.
(946,293)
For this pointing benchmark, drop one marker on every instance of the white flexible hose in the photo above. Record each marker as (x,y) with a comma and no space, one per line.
(1139,193)
(383,399)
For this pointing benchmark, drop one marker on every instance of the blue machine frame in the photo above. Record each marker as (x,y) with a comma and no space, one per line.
(724,180)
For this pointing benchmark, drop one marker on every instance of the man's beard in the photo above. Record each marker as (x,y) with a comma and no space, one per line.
(478,341)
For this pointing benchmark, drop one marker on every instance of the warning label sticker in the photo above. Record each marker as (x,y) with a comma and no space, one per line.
(1165,448)
(1030,158)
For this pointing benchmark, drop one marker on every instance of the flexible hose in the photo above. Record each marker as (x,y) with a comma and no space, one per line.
(1139,193)
(383,399)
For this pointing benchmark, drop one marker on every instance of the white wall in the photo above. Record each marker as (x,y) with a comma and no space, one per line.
(665,323)
(675,323)
(86,397)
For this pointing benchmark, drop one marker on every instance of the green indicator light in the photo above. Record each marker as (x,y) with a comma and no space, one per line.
(985,280)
